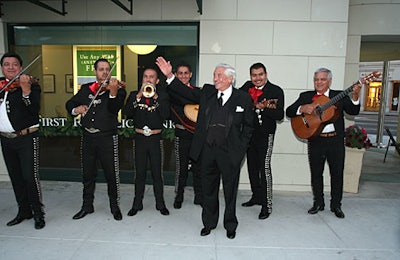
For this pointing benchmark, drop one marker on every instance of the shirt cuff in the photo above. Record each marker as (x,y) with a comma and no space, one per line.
(170,79)
(355,102)
(73,112)
(298,111)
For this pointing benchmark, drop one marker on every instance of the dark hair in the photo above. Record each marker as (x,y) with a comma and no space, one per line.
(11,55)
(258,65)
(100,60)
(184,64)
(152,68)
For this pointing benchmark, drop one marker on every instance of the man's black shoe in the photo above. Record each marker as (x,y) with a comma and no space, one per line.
(117,215)
(18,219)
(133,212)
(338,212)
(230,234)
(205,231)
(39,222)
(315,208)
(250,203)
(82,213)
(177,204)
(264,213)
(164,211)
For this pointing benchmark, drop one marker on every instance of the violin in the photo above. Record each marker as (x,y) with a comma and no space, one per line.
(16,83)
(121,84)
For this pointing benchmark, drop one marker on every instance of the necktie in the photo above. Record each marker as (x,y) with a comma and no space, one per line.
(147,101)
(220,99)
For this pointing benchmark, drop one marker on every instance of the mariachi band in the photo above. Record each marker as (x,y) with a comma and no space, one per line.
(216,123)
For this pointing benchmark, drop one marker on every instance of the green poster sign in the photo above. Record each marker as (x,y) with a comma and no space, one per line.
(87,58)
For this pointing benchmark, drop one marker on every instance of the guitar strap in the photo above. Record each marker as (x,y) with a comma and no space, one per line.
(188,127)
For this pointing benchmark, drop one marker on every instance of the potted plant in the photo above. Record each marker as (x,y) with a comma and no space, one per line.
(356,141)
(357,137)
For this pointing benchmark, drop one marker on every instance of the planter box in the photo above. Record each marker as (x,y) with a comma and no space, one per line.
(352,169)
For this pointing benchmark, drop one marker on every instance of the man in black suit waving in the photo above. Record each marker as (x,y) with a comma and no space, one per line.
(223,131)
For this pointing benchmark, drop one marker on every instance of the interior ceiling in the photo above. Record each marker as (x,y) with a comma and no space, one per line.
(380,48)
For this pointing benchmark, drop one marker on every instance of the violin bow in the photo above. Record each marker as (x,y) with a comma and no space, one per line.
(20,73)
(103,84)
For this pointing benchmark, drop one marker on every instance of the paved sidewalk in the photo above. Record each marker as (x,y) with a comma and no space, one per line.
(370,230)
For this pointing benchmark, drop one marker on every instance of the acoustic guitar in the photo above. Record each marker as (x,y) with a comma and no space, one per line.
(309,126)
(189,119)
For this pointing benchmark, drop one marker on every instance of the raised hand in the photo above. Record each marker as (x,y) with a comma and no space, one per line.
(165,67)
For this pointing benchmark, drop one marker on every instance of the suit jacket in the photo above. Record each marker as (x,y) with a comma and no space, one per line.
(178,101)
(153,118)
(22,112)
(239,122)
(104,114)
(343,105)
(269,116)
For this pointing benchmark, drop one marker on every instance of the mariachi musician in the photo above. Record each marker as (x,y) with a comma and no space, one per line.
(268,108)
(19,124)
(149,108)
(98,103)
(184,129)
(328,145)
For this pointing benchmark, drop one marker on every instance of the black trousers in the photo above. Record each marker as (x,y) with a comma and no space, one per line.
(320,150)
(259,168)
(21,156)
(183,143)
(103,148)
(149,148)
(215,163)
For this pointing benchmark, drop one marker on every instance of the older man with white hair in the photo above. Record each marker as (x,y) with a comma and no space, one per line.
(223,131)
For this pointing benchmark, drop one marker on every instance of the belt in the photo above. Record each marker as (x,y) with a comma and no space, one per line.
(92,130)
(20,133)
(330,134)
(179,126)
(147,131)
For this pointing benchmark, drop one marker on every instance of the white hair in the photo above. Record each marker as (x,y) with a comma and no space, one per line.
(229,71)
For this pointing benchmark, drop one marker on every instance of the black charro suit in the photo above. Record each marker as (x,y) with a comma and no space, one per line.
(260,151)
(183,142)
(148,148)
(224,159)
(101,144)
(331,148)
(21,154)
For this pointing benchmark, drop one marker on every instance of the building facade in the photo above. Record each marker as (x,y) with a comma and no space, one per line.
(291,37)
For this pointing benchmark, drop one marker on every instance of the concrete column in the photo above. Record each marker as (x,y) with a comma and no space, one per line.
(3,169)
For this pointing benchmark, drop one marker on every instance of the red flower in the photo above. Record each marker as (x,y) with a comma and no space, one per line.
(357,137)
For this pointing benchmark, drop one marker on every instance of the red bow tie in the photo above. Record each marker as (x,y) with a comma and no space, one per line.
(2,84)
(255,93)
(316,96)
(94,87)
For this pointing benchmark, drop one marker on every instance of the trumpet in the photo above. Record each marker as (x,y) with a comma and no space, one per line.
(148,90)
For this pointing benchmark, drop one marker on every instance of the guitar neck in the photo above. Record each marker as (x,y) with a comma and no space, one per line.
(338,97)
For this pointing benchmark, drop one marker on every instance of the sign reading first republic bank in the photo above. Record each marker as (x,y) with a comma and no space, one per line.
(62,121)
